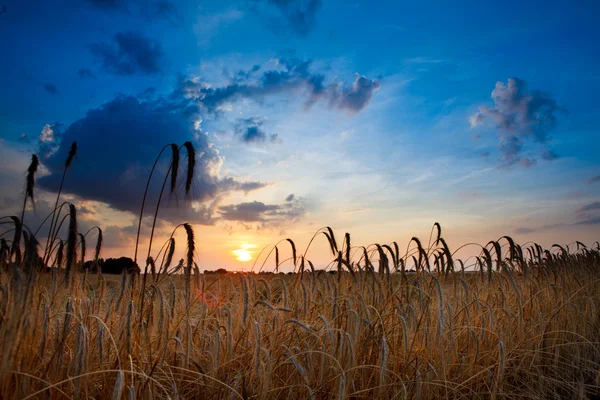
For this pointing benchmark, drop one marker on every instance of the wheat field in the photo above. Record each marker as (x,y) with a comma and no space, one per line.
(519,321)
(519,328)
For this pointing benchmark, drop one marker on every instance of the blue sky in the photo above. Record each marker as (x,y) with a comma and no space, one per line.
(380,118)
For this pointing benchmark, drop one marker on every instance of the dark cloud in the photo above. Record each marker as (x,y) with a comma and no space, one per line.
(267,215)
(292,75)
(242,75)
(147,94)
(594,179)
(117,145)
(129,53)
(50,88)
(247,212)
(84,73)
(249,130)
(299,15)
(519,114)
(290,197)
(229,184)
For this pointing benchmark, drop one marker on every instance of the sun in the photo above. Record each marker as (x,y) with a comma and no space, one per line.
(244,254)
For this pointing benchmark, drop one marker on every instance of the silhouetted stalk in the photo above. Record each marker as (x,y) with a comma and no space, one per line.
(191,157)
(98,244)
(71,155)
(191,162)
(71,243)
(173,147)
(58,228)
(30,181)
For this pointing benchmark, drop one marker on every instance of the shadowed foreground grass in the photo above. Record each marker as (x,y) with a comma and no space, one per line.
(531,331)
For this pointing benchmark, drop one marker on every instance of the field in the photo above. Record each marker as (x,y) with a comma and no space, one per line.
(518,321)
(516,327)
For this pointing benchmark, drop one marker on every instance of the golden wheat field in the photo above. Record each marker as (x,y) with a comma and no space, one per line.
(517,321)
(516,327)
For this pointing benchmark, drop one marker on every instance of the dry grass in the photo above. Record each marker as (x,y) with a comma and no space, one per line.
(359,335)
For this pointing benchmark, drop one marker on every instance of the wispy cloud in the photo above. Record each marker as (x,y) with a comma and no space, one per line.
(594,179)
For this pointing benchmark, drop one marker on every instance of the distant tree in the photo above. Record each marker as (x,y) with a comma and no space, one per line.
(113,266)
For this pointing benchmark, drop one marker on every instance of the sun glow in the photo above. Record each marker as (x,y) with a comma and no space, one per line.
(244,254)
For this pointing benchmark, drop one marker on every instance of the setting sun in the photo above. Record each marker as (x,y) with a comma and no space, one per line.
(244,254)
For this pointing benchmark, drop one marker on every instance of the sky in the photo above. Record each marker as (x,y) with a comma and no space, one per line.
(374,118)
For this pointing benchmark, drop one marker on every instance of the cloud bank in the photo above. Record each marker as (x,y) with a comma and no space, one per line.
(117,145)
(292,75)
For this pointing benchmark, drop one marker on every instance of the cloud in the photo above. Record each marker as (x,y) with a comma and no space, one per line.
(267,215)
(589,221)
(50,88)
(84,73)
(588,214)
(300,15)
(525,230)
(117,145)
(593,179)
(519,115)
(356,97)
(292,75)
(129,53)
(49,140)
(589,207)
(290,197)
(247,212)
(249,130)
